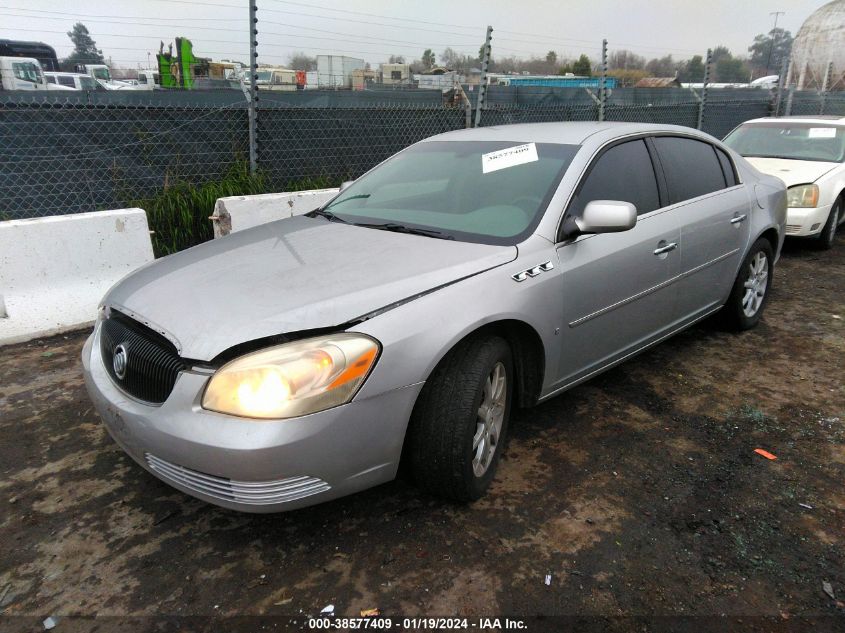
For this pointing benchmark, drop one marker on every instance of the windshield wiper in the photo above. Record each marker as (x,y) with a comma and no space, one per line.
(401,228)
(331,217)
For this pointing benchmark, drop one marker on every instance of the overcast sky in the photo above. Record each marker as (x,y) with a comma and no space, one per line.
(126,30)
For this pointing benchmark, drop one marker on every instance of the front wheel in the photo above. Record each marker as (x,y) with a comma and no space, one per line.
(828,234)
(460,422)
(750,291)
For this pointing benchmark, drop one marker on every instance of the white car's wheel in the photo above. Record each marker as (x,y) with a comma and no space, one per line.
(828,235)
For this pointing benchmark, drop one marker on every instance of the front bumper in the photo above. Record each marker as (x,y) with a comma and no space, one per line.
(806,222)
(253,465)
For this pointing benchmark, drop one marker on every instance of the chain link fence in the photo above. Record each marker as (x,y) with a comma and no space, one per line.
(91,151)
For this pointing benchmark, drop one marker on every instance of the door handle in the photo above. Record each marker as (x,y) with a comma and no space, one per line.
(665,249)
(738,219)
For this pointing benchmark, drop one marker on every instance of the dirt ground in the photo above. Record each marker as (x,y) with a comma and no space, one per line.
(639,493)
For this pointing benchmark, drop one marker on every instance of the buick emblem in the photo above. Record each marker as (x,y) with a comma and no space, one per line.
(119,361)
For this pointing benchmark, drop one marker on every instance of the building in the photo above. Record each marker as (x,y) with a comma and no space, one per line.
(392,74)
(362,78)
(658,82)
(335,71)
(820,42)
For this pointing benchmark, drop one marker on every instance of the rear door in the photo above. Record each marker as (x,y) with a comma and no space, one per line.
(614,286)
(712,209)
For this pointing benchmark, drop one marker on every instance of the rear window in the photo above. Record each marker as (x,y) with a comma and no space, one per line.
(691,167)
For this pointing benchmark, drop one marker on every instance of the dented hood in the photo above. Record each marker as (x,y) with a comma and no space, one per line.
(294,274)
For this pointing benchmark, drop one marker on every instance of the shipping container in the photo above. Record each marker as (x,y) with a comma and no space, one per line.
(335,71)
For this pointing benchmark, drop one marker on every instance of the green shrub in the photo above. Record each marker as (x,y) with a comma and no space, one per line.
(179,214)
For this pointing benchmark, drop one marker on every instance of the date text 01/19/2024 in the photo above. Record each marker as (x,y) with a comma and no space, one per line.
(416,624)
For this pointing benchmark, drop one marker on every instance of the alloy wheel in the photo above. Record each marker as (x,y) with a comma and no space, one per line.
(491,415)
(756,284)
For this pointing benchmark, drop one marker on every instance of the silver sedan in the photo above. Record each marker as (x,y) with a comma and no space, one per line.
(475,271)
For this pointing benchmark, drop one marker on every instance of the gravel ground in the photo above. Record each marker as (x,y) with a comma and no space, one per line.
(639,493)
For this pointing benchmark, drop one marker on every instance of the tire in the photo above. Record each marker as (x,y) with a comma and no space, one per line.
(453,454)
(745,305)
(828,235)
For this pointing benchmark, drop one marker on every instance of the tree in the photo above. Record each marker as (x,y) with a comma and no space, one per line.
(396,59)
(625,60)
(692,70)
(662,67)
(769,51)
(428,59)
(551,58)
(583,66)
(731,69)
(301,61)
(85,49)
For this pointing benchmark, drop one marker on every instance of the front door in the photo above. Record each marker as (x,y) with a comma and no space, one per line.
(615,287)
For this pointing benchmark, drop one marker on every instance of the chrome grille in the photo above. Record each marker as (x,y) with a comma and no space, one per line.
(791,229)
(250,492)
(152,363)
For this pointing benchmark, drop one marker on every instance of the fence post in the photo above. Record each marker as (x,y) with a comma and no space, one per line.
(603,80)
(789,95)
(482,86)
(781,84)
(253,88)
(826,86)
(703,103)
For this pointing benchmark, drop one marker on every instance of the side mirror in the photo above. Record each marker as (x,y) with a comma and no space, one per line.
(607,216)
(345,184)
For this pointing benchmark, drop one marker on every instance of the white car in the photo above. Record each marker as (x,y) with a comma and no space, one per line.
(808,154)
(70,81)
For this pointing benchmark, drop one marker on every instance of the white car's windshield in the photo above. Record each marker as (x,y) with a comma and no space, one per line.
(102,73)
(483,191)
(86,83)
(796,141)
(26,71)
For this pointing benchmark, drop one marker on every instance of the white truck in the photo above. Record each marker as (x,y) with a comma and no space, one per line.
(21,73)
(101,74)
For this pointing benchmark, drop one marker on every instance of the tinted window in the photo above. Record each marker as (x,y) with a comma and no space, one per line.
(623,172)
(727,168)
(66,81)
(51,79)
(691,167)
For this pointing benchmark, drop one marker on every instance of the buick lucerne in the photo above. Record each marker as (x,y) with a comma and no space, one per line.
(471,273)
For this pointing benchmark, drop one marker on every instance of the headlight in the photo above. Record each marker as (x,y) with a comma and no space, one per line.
(292,379)
(802,196)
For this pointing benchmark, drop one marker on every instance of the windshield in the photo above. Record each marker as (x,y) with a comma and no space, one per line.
(26,71)
(263,75)
(86,83)
(102,73)
(492,192)
(797,141)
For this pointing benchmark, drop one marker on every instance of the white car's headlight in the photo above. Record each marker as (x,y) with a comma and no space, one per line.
(802,196)
(292,379)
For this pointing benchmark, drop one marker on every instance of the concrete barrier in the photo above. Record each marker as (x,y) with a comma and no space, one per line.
(55,270)
(242,212)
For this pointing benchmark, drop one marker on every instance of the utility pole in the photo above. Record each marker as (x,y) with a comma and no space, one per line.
(253,88)
(603,80)
(703,103)
(482,87)
(777,14)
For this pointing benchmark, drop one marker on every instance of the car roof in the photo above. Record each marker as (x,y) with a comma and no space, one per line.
(563,132)
(821,118)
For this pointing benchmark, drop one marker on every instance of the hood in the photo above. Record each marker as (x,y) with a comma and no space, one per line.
(293,274)
(792,172)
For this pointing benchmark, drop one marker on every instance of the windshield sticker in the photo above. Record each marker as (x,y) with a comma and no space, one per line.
(822,132)
(509,157)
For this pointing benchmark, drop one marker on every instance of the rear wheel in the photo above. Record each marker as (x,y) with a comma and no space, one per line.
(460,422)
(750,291)
(828,235)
